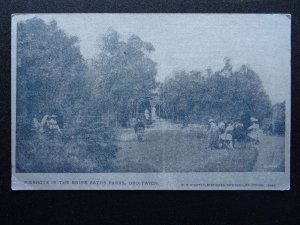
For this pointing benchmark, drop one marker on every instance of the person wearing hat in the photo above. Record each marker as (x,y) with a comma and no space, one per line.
(226,137)
(221,126)
(53,123)
(239,132)
(254,130)
(213,135)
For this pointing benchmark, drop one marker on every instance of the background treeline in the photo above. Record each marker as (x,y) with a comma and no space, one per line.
(53,78)
(197,96)
(223,95)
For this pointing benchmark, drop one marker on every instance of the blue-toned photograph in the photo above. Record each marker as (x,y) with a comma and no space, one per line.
(151,93)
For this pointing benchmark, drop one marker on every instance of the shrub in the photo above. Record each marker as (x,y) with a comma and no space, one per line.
(87,148)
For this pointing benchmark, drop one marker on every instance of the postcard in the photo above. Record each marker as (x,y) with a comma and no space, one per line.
(151,101)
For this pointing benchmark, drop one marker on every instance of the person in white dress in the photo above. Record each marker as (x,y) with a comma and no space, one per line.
(52,123)
(254,130)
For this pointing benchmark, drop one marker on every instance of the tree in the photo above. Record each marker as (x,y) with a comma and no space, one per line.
(223,95)
(248,94)
(50,70)
(123,70)
(182,94)
(279,118)
(52,78)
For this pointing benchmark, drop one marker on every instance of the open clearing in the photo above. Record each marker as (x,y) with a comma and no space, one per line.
(170,148)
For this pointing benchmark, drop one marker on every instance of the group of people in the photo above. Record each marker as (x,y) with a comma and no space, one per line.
(220,134)
(225,135)
(48,123)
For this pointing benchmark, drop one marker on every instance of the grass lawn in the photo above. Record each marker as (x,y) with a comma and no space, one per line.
(176,149)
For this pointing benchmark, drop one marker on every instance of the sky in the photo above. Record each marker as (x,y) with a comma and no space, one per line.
(196,41)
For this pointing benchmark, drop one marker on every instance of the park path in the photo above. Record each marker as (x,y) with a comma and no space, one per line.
(148,155)
(163,149)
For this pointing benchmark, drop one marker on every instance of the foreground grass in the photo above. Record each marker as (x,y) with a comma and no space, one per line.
(182,150)
(164,149)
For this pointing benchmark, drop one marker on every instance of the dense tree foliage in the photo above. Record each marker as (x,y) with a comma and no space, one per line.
(50,70)
(122,72)
(52,79)
(223,95)
(279,118)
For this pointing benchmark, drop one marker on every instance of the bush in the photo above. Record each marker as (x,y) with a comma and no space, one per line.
(85,149)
